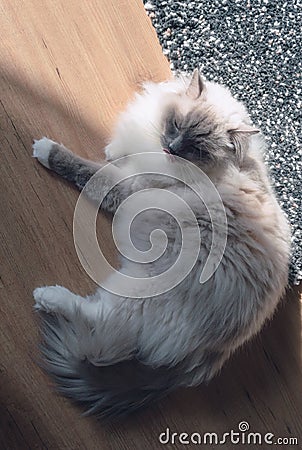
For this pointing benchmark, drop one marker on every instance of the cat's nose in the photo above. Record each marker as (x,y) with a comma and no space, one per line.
(175,145)
(172,148)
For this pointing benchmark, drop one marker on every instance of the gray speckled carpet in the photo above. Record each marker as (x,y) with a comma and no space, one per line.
(254,48)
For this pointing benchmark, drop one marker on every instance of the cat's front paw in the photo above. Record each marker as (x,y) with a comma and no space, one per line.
(41,150)
(49,298)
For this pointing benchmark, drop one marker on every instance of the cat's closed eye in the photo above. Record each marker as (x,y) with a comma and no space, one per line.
(176,124)
(177,120)
(173,126)
(202,134)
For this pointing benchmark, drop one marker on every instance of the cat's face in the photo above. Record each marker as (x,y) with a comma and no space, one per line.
(195,135)
(192,129)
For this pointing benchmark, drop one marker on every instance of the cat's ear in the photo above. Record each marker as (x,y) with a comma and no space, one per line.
(239,137)
(196,85)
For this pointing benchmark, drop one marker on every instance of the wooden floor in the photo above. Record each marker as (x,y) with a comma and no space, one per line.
(66,69)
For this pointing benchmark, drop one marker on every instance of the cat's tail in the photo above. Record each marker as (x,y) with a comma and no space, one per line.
(109,391)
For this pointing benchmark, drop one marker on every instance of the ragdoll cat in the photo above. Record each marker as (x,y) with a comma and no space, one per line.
(114,354)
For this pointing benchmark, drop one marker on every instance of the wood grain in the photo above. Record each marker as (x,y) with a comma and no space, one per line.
(66,70)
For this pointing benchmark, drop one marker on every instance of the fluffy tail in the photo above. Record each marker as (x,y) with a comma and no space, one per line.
(109,391)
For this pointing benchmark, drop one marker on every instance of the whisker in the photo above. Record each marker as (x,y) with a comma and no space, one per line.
(155,129)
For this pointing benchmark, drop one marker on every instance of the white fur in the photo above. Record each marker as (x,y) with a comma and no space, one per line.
(41,150)
(194,326)
(49,298)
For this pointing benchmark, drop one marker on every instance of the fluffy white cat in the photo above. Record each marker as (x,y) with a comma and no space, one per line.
(115,353)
